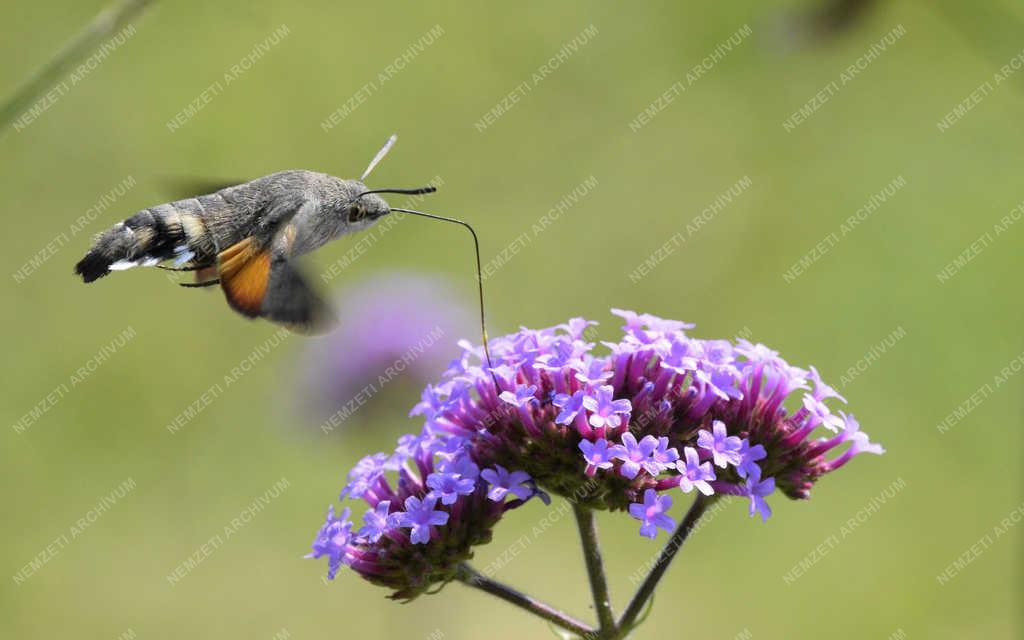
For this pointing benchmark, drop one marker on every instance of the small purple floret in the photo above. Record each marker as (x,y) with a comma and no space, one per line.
(503,483)
(597,454)
(569,405)
(332,540)
(421,517)
(447,487)
(605,412)
(725,449)
(757,490)
(376,520)
(694,474)
(634,455)
(749,456)
(651,513)
(524,395)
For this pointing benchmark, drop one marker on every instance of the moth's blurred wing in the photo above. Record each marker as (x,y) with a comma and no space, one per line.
(185,187)
(265,282)
(292,301)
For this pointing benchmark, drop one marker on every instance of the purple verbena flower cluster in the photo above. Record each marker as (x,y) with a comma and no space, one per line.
(662,412)
(428,505)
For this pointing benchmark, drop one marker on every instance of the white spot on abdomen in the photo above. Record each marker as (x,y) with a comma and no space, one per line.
(121,265)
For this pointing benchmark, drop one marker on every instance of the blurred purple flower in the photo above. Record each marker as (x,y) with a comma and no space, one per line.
(397,327)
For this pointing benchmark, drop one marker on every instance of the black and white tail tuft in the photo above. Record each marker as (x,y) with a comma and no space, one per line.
(142,240)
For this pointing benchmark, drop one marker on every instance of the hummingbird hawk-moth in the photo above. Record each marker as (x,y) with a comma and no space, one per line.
(247,237)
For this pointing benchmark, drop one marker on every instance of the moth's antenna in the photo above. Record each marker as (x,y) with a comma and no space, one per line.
(479,280)
(380,156)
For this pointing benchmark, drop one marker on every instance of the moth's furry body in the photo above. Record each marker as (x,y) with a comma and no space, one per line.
(248,233)
(195,230)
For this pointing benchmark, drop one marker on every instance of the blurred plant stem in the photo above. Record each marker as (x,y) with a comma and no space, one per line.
(103,25)
(608,628)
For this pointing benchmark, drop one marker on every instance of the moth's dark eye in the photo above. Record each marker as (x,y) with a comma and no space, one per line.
(356,213)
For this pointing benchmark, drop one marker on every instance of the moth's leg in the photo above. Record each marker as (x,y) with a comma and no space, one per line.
(207,283)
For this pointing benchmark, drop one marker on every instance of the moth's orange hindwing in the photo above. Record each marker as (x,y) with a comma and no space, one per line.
(244,272)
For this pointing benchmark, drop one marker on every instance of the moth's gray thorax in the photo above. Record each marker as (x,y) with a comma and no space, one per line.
(327,213)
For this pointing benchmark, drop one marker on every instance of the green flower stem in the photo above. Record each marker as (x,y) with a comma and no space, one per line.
(646,590)
(595,569)
(470,577)
(607,629)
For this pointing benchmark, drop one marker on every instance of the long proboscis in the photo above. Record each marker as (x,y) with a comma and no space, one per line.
(479,280)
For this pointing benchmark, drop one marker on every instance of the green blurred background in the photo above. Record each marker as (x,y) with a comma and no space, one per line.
(881,581)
